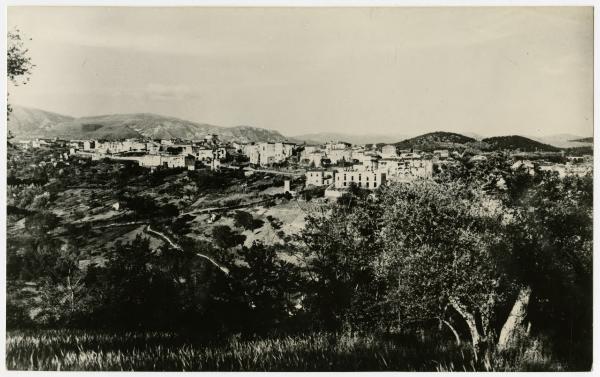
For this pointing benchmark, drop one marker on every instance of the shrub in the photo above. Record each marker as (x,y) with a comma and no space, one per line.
(245,220)
(226,238)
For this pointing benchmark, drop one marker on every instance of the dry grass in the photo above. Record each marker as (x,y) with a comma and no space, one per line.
(76,350)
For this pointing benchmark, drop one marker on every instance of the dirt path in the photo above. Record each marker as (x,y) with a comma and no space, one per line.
(226,208)
(162,236)
(279,172)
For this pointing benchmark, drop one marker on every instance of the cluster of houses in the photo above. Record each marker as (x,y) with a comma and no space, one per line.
(177,153)
(363,167)
(336,165)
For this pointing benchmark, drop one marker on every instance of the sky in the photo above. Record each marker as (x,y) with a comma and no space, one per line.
(484,70)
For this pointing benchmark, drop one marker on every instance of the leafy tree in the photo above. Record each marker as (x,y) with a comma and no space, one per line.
(339,247)
(132,290)
(18,63)
(551,258)
(439,246)
(245,220)
(267,287)
(226,238)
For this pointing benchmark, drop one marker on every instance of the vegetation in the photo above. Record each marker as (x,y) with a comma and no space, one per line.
(245,220)
(485,267)
(434,140)
(18,62)
(164,351)
(518,142)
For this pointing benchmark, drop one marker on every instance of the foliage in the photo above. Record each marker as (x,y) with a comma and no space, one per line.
(226,238)
(265,286)
(18,63)
(343,290)
(439,251)
(245,220)
(515,142)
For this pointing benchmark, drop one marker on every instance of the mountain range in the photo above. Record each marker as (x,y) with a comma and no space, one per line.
(29,123)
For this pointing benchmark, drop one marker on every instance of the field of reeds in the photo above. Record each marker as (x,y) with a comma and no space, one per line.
(157,351)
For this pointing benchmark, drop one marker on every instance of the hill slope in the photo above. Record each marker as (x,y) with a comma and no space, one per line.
(28,122)
(584,140)
(436,140)
(564,140)
(514,142)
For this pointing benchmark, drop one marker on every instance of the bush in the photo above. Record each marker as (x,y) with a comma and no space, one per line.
(226,238)
(245,220)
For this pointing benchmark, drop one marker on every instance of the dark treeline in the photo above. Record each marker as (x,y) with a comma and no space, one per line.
(484,255)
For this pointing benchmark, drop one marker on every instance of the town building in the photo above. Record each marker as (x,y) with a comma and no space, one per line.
(389,151)
(319,177)
(363,179)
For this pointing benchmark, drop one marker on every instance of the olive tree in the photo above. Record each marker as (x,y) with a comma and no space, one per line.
(440,242)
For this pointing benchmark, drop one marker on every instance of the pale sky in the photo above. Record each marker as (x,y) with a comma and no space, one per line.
(491,71)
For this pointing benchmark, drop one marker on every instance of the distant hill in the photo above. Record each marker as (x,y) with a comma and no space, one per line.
(26,122)
(29,122)
(564,140)
(323,137)
(436,140)
(584,140)
(522,143)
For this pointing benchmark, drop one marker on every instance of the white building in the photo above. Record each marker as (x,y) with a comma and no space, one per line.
(389,151)
(339,155)
(363,179)
(268,153)
(319,177)
(400,170)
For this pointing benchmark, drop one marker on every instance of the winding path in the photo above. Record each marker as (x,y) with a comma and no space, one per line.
(162,236)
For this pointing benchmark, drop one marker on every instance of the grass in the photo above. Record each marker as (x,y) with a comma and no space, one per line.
(157,351)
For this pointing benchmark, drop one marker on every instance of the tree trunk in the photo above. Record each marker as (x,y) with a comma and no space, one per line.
(514,328)
(471,323)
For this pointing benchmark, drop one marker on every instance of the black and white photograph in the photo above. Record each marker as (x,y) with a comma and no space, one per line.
(251,188)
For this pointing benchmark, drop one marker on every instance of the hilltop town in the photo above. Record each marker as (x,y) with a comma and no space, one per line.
(335,164)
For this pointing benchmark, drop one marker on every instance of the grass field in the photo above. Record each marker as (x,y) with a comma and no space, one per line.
(76,350)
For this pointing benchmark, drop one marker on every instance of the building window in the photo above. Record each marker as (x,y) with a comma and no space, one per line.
(344,183)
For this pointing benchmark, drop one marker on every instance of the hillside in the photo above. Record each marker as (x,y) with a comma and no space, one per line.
(436,140)
(563,140)
(514,142)
(28,122)
(584,140)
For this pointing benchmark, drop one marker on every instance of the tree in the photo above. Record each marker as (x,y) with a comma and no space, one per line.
(245,220)
(267,287)
(340,244)
(226,238)
(551,258)
(439,246)
(18,63)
